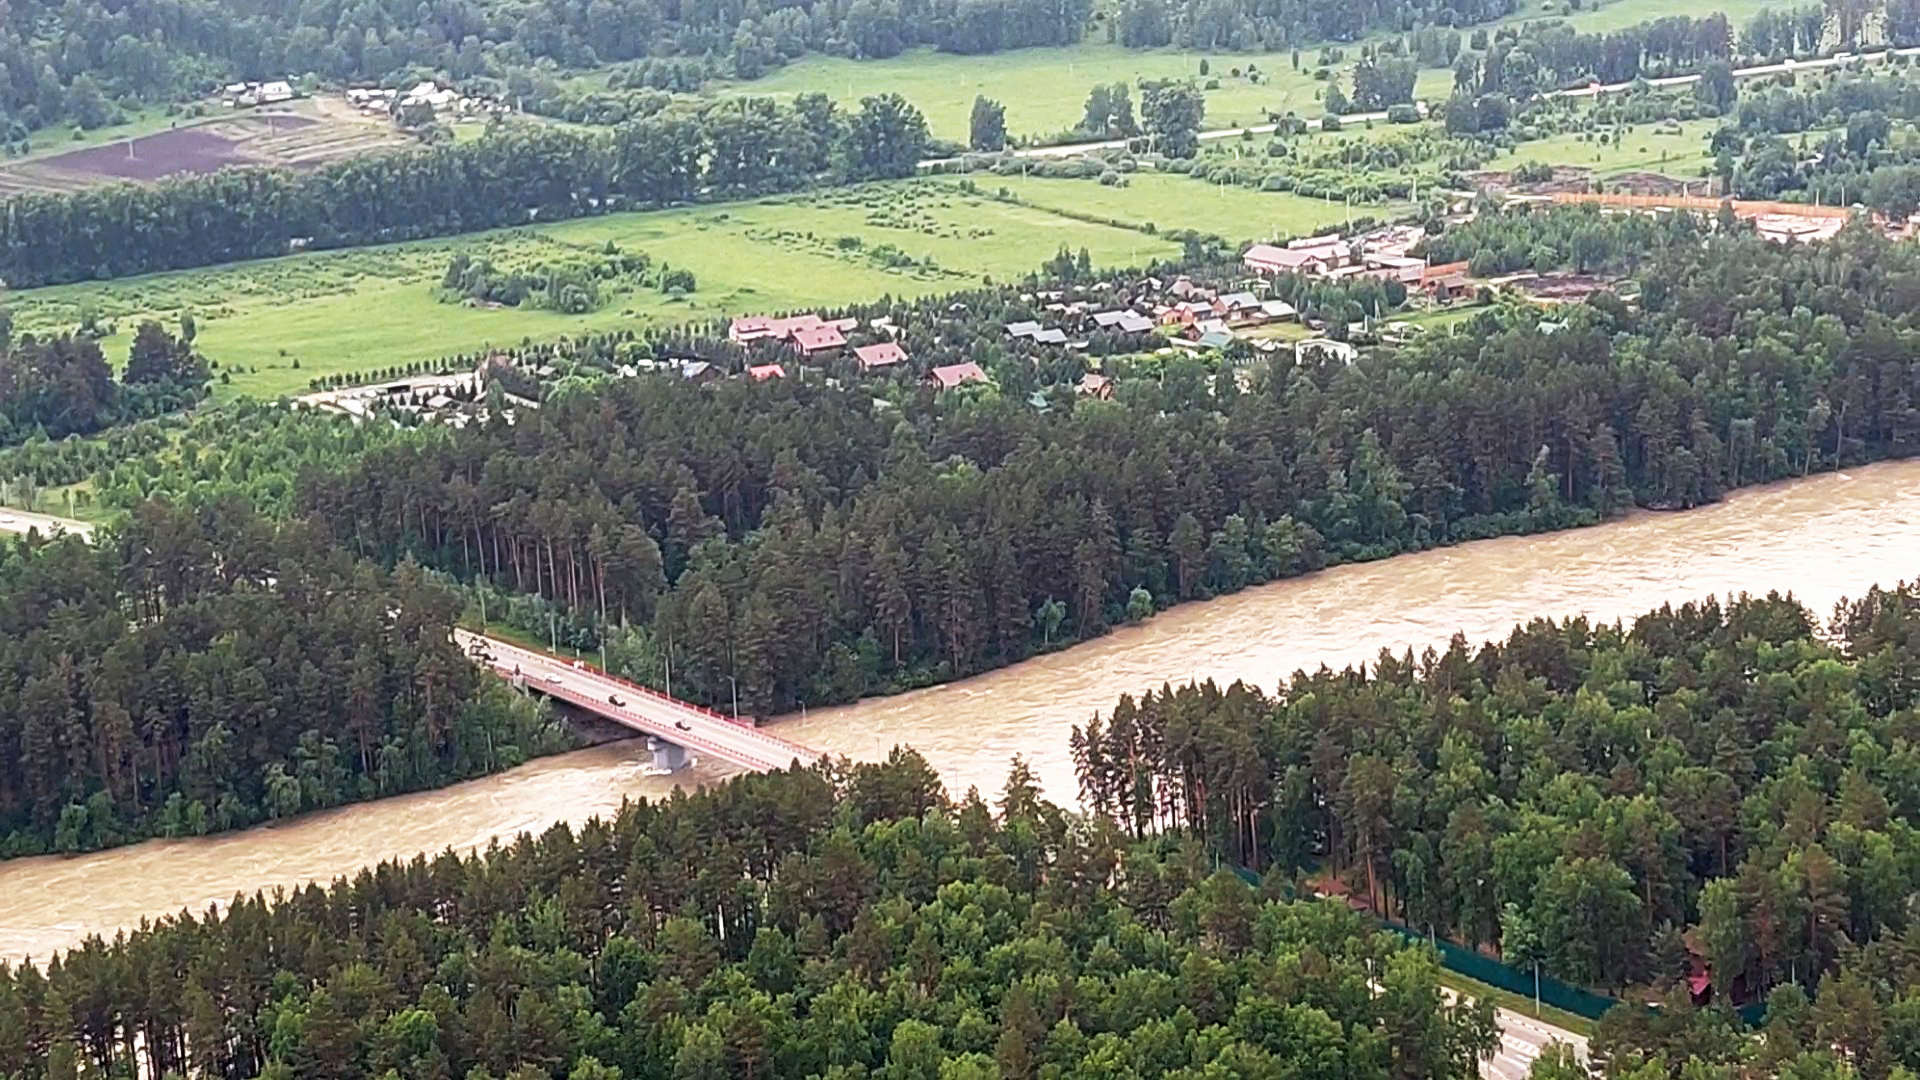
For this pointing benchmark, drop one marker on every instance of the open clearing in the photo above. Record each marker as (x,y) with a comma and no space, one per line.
(1045,90)
(1179,202)
(298,135)
(275,324)
(1682,154)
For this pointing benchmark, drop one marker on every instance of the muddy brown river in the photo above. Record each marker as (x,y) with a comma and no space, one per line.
(1821,538)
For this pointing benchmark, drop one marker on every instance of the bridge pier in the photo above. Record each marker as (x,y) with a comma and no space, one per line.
(670,757)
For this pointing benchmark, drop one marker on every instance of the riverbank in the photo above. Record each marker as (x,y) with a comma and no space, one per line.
(1822,538)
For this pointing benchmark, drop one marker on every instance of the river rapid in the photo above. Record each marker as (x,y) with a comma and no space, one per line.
(1821,538)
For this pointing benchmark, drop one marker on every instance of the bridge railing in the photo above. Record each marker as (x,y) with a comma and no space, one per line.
(682,738)
(802,752)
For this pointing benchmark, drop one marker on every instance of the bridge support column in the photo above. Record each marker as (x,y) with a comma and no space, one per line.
(668,756)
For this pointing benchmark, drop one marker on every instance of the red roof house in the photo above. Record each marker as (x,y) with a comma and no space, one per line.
(765,327)
(818,339)
(874,357)
(946,378)
(763,372)
(750,328)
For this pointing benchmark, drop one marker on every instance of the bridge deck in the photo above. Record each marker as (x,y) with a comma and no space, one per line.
(641,708)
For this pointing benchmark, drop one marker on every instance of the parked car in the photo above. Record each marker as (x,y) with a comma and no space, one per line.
(554,677)
(614,700)
(682,725)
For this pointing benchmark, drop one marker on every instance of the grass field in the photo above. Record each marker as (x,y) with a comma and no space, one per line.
(1619,13)
(275,324)
(1045,90)
(59,140)
(1680,156)
(1170,202)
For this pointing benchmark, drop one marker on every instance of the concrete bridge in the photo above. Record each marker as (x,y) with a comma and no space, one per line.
(673,727)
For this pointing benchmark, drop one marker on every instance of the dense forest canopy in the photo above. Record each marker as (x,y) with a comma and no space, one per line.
(1719,788)
(202,670)
(816,546)
(57,386)
(823,924)
(509,176)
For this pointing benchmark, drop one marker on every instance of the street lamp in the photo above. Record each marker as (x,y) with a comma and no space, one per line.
(736,698)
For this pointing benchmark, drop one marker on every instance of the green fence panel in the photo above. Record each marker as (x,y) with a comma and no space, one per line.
(1494,973)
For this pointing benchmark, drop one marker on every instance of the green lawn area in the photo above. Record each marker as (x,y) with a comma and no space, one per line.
(1680,156)
(1619,13)
(1045,90)
(59,140)
(272,325)
(1170,202)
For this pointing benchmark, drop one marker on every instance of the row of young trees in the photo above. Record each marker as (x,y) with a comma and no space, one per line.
(1719,789)
(1280,24)
(57,386)
(814,546)
(204,669)
(513,174)
(827,923)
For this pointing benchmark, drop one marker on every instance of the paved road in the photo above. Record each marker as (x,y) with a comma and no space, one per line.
(19,521)
(1070,149)
(1522,1038)
(703,732)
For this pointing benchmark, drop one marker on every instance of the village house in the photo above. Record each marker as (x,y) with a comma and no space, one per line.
(1022,329)
(1277,309)
(952,375)
(1448,288)
(1312,255)
(699,371)
(1134,323)
(1402,268)
(819,339)
(884,355)
(751,328)
(763,372)
(1095,385)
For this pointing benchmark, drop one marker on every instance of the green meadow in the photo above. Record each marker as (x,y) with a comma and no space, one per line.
(275,324)
(1045,90)
(1680,154)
